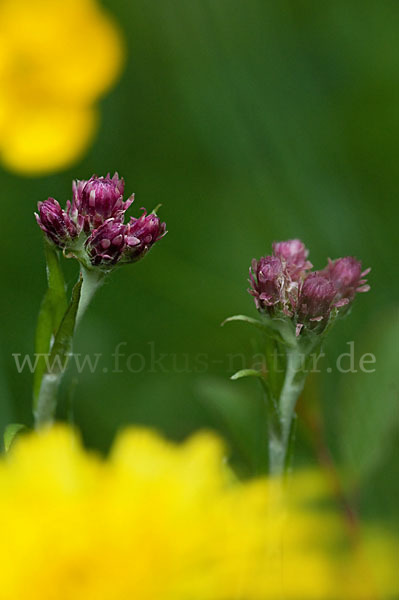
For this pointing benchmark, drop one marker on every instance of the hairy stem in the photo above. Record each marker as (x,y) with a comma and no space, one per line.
(280,441)
(47,400)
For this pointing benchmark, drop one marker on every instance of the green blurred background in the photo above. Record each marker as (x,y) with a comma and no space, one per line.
(250,122)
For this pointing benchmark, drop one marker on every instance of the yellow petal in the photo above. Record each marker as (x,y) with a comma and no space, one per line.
(41,140)
(69,51)
(57,58)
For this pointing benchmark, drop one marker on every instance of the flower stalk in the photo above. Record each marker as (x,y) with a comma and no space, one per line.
(47,401)
(280,438)
(287,368)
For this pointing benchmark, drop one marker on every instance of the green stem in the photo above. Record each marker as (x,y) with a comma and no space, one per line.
(271,362)
(276,453)
(293,385)
(294,381)
(47,400)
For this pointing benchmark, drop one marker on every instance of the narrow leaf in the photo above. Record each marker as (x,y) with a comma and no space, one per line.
(44,331)
(52,309)
(270,402)
(246,373)
(62,346)
(245,319)
(278,328)
(11,433)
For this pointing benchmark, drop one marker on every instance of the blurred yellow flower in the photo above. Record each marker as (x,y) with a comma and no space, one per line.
(158,521)
(57,57)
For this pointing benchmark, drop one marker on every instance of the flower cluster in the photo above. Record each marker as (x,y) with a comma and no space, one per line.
(158,520)
(92,227)
(283,284)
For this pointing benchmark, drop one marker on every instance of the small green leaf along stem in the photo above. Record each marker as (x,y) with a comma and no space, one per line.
(44,408)
(51,376)
(92,279)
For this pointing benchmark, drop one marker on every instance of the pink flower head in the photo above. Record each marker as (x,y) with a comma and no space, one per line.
(98,199)
(316,298)
(267,279)
(106,244)
(55,222)
(96,219)
(347,276)
(282,285)
(293,255)
(141,235)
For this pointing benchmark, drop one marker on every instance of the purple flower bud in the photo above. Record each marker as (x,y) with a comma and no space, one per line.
(347,276)
(293,255)
(316,298)
(55,222)
(106,244)
(267,280)
(98,199)
(141,235)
